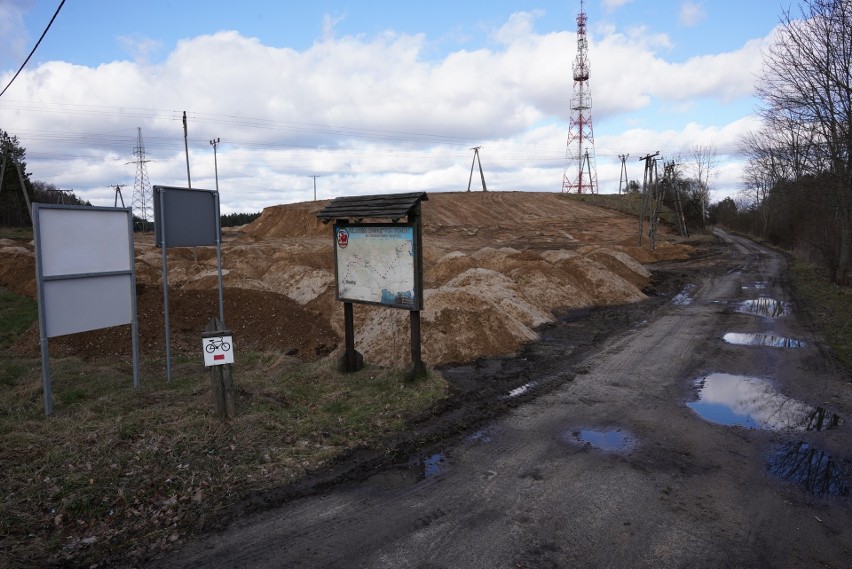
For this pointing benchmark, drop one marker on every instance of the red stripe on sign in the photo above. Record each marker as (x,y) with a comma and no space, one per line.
(219,357)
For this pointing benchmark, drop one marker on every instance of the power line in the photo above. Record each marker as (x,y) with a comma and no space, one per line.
(24,64)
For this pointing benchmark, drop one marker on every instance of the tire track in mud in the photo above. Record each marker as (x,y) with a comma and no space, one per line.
(517,489)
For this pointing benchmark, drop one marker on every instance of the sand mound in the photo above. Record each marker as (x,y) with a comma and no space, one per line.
(496,266)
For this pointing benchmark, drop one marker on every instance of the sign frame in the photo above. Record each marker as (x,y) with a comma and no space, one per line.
(173,206)
(85,276)
(416,302)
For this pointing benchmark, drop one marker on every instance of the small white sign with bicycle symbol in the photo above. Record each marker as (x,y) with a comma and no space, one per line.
(217,350)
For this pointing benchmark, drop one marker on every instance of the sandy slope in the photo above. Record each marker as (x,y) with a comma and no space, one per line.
(496,265)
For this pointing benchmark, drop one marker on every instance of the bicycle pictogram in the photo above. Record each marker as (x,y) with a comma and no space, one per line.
(214,344)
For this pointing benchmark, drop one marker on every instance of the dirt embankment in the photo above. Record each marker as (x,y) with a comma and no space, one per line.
(496,265)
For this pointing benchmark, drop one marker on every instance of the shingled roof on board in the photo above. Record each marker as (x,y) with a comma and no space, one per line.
(387,206)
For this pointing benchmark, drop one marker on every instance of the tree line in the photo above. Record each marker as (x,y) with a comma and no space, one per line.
(798,180)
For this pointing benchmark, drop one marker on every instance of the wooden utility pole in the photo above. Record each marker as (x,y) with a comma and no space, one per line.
(221,376)
(118,195)
(649,160)
(315,176)
(21,180)
(622,178)
(481,175)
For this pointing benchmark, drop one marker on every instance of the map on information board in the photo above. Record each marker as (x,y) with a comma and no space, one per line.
(375,263)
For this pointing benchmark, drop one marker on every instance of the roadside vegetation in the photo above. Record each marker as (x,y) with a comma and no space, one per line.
(798,180)
(829,307)
(118,473)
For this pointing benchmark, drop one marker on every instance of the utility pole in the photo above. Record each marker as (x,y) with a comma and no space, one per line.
(481,174)
(186,150)
(215,143)
(315,176)
(17,166)
(647,180)
(118,195)
(622,178)
(142,201)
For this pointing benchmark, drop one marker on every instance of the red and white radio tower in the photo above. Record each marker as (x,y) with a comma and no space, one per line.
(580,173)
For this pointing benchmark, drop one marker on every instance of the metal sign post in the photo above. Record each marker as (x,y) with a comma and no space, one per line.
(186,217)
(85,275)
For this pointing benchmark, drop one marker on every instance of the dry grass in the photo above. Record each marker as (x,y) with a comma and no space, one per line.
(630,204)
(828,305)
(123,472)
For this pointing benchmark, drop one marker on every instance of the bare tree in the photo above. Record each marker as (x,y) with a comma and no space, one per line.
(703,163)
(807,84)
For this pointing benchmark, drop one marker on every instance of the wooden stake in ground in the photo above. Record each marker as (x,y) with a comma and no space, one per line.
(217,343)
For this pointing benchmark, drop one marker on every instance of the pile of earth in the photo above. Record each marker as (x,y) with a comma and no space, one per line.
(496,266)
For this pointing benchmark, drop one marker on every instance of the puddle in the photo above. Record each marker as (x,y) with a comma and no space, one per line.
(415,471)
(518,391)
(812,469)
(684,297)
(763,340)
(433,465)
(611,441)
(482,436)
(752,402)
(757,285)
(764,306)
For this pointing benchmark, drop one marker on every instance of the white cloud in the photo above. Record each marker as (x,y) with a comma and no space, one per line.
(518,28)
(611,5)
(140,48)
(691,14)
(13,45)
(368,114)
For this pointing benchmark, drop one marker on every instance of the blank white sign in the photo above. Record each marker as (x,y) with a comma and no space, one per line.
(78,305)
(82,241)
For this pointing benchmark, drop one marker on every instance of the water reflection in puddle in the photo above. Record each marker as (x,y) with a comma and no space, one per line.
(518,391)
(757,285)
(482,436)
(735,400)
(684,297)
(763,306)
(415,471)
(813,469)
(433,465)
(612,440)
(763,340)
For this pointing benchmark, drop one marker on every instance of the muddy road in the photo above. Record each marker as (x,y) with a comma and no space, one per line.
(705,428)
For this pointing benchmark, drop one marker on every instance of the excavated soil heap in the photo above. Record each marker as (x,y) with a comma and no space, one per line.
(496,266)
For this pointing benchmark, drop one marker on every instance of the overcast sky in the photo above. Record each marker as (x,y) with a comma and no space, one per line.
(371,97)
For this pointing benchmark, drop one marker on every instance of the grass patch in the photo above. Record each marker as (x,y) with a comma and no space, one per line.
(118,473)
(828,305)
(17,313)
(631,204)
(17,233)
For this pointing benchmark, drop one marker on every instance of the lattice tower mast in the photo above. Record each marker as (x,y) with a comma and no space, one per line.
(143,200)
(580,171)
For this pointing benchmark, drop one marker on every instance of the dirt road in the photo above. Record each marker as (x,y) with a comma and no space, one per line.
(619,450)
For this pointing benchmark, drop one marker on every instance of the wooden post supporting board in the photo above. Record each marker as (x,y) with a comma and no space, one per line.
(352,360)
(221,375)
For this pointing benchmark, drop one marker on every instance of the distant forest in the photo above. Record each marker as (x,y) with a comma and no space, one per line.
(234,219)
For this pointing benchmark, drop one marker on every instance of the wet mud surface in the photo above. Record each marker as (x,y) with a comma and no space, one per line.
(488,388)
(590,448)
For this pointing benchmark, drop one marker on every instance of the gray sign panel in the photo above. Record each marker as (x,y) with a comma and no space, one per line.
(188,216)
